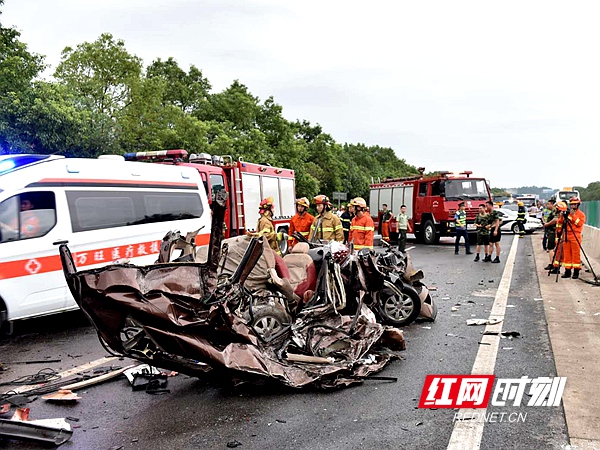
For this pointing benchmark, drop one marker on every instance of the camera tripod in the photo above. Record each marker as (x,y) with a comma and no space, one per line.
(563,237)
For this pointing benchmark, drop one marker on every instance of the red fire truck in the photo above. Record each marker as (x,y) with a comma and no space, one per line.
(430,202)
(246,183)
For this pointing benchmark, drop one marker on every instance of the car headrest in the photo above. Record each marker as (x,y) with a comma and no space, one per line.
(300,247)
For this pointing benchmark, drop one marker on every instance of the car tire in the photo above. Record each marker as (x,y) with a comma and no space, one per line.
(268,321)
(515,228)
(429,234)
(398,306)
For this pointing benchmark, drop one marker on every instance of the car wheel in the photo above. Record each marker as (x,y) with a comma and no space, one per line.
(515,228)
(398,307)
(429,234)
(268,321)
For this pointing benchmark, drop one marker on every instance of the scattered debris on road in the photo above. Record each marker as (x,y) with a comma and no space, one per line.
(49,431)
(503,334)
(63,395)
(483,321)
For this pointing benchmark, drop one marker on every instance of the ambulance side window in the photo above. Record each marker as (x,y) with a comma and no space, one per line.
(26,216)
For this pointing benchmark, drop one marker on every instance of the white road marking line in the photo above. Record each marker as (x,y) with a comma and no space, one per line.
(73,371)
(409,248)
(466,434)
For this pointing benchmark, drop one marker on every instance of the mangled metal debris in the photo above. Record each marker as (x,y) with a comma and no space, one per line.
(49,431)
(245,312)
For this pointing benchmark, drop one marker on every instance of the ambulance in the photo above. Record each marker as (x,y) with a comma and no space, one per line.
(105,209)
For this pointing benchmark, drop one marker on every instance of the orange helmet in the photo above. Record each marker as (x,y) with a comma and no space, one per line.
(359,201)
(303,202)
(561,206)
(266,205)
(322,200)
(574,201)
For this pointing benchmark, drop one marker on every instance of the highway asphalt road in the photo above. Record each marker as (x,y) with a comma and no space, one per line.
(374,415)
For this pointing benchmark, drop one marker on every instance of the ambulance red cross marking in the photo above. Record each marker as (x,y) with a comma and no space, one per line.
(33,266)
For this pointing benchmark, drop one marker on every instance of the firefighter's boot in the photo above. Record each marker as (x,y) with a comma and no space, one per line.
(567,274)
(575,274)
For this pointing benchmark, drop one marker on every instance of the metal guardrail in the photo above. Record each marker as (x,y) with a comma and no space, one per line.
(592,213)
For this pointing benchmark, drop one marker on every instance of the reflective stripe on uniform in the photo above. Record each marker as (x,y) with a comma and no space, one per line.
(359,247)
(356,227)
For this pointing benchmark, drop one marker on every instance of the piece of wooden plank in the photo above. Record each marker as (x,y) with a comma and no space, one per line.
(99,379)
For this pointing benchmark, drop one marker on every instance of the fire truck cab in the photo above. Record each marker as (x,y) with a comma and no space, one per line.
(431,202)
(247,184)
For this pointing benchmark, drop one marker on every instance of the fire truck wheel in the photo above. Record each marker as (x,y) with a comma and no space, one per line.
(429,234)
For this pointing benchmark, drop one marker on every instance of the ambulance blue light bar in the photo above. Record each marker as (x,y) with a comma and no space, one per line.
(12,162)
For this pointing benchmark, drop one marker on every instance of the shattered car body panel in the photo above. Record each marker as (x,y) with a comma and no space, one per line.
(181,316)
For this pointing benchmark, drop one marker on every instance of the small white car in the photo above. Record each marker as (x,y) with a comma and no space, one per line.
(509,222)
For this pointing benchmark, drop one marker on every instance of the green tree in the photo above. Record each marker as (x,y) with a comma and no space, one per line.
(44,119)
(100,75)
(590,193)
(187,91)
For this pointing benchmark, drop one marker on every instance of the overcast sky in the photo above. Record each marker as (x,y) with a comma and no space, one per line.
(509,90)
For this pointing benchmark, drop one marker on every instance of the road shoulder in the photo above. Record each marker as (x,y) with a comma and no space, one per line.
(572,309)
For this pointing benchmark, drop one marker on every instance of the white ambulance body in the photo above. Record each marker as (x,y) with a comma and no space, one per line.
(106,210)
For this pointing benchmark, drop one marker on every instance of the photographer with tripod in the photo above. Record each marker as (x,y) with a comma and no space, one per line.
(568,228)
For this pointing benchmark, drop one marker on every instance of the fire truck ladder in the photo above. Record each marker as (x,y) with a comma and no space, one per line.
(238,198)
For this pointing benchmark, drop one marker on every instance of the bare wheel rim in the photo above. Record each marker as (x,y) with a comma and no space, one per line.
(268,326)
(398,307)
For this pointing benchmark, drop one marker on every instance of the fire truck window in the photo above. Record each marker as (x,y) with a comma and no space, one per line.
(422,189)
(217,183)
(26,216)
(205,186)
(437,187)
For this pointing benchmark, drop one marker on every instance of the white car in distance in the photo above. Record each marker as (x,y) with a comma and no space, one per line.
(509,222)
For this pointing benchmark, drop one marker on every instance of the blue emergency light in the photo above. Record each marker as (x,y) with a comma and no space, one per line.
(11,162)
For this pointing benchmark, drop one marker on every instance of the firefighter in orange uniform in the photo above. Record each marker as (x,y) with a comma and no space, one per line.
(569,253)
(326,226)
(301,221)
(265,226)
(362,228)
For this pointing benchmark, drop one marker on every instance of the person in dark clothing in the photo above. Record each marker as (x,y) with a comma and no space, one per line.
(346,219)
(521,219)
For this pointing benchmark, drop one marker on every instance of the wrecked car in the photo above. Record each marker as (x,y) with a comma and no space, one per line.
(242,311)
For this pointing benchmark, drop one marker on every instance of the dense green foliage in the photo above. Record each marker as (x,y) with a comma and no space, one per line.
(591,192)
(105,101)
